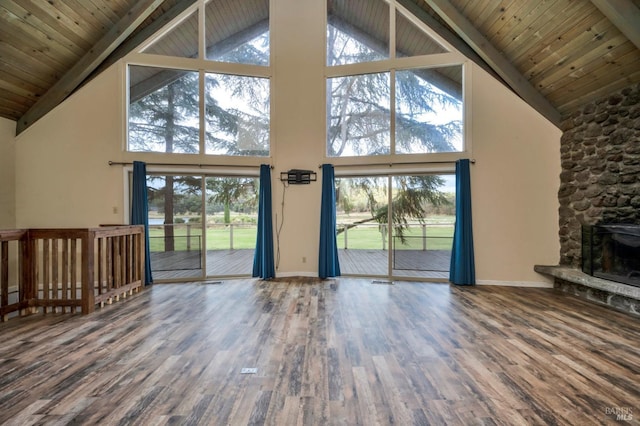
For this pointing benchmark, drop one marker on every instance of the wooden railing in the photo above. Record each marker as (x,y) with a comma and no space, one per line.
(69,269)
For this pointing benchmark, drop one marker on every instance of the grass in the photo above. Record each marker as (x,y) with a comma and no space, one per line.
(370,237)
(218,237)
(366,236)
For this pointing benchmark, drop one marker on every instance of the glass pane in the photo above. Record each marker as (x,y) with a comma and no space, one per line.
(429,110)
(357,31)
(423,212)
(412,41)
(181,41)
(175,226)
(238,31)
(361,223)
(359,121)
(163,110)
(232,217)
(237,115)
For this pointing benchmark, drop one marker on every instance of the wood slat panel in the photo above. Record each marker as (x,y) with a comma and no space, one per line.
(568,63)
(531,15)
(619,60)
(507,19)
(63,11)
(565,26)
(599,89)
(52,27)
(36,46)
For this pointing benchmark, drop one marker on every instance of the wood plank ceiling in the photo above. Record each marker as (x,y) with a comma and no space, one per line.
(556,54)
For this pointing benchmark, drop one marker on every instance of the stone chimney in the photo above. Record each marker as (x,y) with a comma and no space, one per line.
(600,178)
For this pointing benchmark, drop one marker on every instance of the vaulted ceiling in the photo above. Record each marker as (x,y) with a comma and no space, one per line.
(556,54)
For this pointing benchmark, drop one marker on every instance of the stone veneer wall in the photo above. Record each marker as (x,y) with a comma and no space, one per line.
(600,179)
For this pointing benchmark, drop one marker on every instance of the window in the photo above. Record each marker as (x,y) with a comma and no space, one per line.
(354,37)
(400,106)
(203,107)
(163,110)
(428,110)
(237,117)
(359,121)
(237,31)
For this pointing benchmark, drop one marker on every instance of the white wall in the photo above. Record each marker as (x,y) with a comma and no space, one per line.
(7,174)
(63,178)
(514,185)
(299,131)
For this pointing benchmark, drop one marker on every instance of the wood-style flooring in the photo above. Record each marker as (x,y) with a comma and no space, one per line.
(343,352)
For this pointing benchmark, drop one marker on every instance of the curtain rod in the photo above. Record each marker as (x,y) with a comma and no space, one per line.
(413,163)
(119,163)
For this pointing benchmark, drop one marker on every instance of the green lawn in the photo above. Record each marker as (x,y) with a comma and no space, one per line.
(366,236)
(369,237)
(218,238)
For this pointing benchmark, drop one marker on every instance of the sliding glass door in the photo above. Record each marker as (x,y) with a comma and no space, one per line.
(423,212)
(363,237)
(175,226)
(201,226)
(396,226)
(232,212)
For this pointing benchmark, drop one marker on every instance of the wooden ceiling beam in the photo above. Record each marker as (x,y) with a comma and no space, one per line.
(501,65)
(624,14)
(90,61)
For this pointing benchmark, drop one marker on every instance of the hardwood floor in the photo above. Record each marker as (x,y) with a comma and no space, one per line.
(341,351)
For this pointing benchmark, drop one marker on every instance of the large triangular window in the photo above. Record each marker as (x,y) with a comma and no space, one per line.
(357,31)
(237,31)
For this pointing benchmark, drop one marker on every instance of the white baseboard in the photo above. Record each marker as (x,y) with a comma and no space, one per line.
(536,284)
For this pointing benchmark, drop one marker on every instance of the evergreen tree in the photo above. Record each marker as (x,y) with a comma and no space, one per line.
(359,123)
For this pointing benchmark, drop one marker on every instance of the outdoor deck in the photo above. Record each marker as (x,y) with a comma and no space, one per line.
(430,264)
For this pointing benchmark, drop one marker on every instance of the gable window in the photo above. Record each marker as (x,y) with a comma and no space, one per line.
(382,101)
(214,100)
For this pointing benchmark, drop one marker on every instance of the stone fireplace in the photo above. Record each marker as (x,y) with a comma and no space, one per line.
(600,178)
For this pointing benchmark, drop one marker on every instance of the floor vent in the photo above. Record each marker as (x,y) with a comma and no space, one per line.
(382,282)
(249,370)
(210,282)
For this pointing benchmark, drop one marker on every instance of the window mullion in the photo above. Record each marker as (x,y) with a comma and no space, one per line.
(202,116)
(392,112)
(201,32)
(392,30)
(201,80)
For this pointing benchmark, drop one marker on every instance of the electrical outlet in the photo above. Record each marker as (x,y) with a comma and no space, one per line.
(115,210)
(304,259)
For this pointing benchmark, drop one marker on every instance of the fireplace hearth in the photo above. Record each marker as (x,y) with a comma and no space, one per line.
(612,252)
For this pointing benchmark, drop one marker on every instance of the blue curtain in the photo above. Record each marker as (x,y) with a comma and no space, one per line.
(462,270)
(263,263)
(140,211)
(328,257)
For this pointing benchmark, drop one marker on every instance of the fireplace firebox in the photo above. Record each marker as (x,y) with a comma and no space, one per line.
(612,252)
